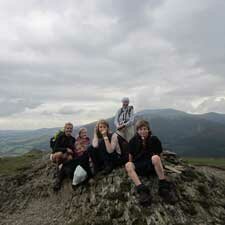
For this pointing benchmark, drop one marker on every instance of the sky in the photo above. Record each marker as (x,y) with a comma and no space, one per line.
(74,60)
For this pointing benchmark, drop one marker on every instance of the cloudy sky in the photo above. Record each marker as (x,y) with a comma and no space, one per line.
(74,60)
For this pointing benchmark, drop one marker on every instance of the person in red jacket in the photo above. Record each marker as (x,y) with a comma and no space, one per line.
(82,142)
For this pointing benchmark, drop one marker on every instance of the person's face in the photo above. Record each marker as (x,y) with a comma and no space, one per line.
(83,134)
(125,104)
(102,128)
(68,130)
(143,132)
(80,148)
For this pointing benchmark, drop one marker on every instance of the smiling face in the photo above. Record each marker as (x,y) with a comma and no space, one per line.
(83,134)
(143,132)
(68,129)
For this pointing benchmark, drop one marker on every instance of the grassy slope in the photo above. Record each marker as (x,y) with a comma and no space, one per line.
(214,162)
(13,165)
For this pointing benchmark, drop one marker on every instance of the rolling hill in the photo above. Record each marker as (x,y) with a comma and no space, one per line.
(186,134)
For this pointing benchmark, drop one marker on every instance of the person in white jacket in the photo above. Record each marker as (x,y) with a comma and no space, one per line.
(124,120)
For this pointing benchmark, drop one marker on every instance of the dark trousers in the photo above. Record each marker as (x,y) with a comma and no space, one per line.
(101,158)
(70,166)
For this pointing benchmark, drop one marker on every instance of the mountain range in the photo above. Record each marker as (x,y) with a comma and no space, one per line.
(195,135)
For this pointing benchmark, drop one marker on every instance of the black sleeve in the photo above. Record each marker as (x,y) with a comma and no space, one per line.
(156,145)
(58,145)
(131,146)
(73,143)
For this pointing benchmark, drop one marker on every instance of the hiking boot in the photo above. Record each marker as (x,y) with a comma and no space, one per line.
(58,181)
(144,195)
(57,184)
(55,172)
(167,191)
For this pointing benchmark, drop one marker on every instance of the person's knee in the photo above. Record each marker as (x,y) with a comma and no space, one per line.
(156,160)
(57,157)
(69,157)
(129,167)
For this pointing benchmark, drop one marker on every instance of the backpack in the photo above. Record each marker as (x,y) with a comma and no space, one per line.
(129,111)
(53,139)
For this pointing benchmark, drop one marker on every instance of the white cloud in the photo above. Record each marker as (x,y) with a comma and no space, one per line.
(74,60)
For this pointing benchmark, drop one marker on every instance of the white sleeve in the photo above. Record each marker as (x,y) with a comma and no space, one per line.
(114,141)
(131,119)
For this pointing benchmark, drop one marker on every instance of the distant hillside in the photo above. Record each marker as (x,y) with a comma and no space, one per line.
(214,117)
(19,142)
(184,133)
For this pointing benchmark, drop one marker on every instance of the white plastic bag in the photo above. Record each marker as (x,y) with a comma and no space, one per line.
(79,175)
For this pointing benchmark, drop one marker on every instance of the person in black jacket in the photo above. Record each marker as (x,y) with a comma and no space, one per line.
(144,158)
(64,145)
(63,152)
(104,151)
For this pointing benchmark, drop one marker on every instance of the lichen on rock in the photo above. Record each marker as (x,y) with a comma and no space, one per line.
(28,198)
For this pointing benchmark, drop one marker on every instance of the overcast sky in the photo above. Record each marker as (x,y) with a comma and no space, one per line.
(74,60)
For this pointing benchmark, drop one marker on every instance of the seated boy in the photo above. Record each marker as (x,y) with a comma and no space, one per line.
(144,158)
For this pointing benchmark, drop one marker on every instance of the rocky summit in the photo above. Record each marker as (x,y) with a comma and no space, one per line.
(27,197)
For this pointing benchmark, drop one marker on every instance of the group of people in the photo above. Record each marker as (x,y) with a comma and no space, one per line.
(133,147)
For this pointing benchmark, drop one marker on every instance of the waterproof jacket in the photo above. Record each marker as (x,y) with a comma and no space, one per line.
(63,142)
(140,150)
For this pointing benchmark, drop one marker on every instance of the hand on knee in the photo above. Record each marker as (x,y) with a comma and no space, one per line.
(57,157)
(70,157)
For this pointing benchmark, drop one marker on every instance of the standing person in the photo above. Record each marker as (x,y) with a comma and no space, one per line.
(124,120)
(144,158)
(105,151)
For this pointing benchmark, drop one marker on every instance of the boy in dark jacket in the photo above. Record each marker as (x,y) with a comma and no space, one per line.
(144,158)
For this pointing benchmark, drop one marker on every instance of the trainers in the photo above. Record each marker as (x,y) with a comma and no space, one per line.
(144,195)
(167,191)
